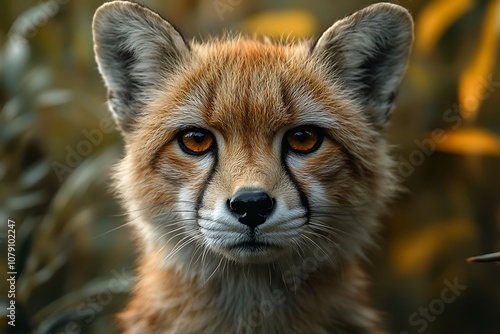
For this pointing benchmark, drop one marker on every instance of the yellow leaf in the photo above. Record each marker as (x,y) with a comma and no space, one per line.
(469,141)
(434,19)
(294,23)
(413,255)
(472,88)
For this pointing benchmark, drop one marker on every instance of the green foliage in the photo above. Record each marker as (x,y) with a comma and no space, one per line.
(63,279)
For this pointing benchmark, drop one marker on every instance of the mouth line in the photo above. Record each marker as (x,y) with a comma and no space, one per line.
(252,245)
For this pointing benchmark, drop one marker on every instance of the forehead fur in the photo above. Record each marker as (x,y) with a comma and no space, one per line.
(251,87)
(247,88)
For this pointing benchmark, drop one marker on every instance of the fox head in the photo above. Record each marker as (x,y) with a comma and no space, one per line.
(248,151)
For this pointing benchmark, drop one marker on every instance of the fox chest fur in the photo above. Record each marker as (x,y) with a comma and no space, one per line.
(254,172)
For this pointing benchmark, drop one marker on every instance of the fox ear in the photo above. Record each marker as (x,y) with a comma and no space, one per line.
(135,51)
(368,52)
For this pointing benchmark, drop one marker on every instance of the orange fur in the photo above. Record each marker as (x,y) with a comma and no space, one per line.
(203,268)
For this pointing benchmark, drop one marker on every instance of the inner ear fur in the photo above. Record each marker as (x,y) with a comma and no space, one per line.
(136,49)
(368,53)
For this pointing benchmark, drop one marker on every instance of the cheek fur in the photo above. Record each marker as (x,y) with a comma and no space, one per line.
(178,168)
(330,178)
(325,165)
(159,185)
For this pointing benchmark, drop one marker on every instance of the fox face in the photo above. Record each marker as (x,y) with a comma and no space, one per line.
(248,161)
(251,152)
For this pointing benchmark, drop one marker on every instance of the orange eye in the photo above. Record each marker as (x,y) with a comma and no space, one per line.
(304,139)
(196,141)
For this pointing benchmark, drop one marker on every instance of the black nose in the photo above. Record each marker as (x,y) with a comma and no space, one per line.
(252,206)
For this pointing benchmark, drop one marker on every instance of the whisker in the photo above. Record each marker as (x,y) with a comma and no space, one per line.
(321,249)
(195,251)
(161,206)
(319,235)
(175,235)
(112,230)
(131,221)
(180,245)
(320,225)
(203,258)
(215,270)
(333,215)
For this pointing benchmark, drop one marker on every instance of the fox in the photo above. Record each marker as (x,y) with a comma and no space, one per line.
(255,171)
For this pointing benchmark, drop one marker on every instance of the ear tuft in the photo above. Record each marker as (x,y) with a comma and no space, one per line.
(136,49)
(368,52)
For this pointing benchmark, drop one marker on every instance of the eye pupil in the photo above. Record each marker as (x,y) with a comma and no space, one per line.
(302,136)
(198,137)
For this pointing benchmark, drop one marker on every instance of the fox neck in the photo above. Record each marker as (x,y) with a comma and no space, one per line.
(254,298)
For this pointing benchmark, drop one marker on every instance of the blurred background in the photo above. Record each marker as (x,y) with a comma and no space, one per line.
(74,261)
